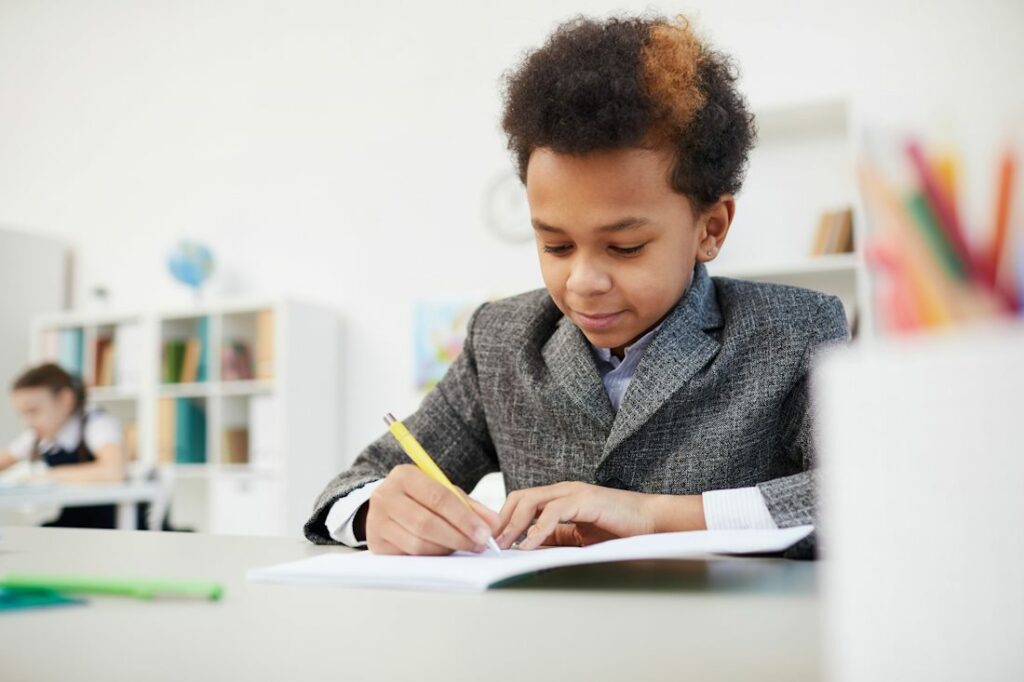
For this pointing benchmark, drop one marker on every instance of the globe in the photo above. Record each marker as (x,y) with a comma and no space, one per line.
(191,263)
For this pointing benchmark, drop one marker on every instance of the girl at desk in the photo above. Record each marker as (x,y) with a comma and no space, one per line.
(635,393)
(75,443)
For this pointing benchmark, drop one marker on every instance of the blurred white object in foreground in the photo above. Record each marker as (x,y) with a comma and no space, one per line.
(922,462)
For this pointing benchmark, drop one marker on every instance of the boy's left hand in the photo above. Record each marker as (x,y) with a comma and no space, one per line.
(575,513)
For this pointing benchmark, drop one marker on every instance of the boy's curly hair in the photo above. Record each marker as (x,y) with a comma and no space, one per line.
(633,82)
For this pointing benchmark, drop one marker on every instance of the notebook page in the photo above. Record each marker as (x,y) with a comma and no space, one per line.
(463,571)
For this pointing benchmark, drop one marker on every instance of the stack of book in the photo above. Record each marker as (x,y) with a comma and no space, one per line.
(185,360)
(64,346)
(103,370)
(116,356)
(182,423)
(835,233)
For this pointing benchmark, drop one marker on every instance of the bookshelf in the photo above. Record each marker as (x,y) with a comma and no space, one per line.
(801,169)
(236,403)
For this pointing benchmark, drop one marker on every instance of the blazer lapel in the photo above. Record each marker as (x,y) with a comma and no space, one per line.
(569,359)
(676,352)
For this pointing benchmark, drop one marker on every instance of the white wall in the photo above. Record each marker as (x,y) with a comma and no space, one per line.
(338,151)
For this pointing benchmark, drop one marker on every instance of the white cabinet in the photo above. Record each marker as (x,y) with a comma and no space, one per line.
(247,503)
(33,279)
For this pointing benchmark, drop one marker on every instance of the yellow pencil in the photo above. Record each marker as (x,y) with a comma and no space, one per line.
(426,464)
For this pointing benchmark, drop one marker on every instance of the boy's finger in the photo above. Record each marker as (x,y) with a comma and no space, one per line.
(553,514)
(408,543)
(425,524)
(537,497)
(505,513)
(443,502)
(522,517)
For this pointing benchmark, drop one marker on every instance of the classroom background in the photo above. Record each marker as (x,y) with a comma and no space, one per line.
(333,180)
(254,228)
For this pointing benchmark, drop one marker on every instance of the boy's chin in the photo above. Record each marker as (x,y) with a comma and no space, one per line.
(606,339)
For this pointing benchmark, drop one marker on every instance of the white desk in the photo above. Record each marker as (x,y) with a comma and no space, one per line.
(600,628)
(124,495)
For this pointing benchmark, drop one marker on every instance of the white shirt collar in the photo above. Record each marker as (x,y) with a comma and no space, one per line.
(635,347)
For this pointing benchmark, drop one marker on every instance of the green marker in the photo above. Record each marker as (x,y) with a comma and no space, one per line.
(143,588)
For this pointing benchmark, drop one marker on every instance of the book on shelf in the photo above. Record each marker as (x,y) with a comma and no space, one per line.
(165,431)
(173,360)
(186,360)
(181,432)
(103,361)
(69,350)
(264,350)
(189,432)
(203,337)
(235,446)
(236,361)
(835,233)
(190,362)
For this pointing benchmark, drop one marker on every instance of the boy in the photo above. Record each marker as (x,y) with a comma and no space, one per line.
(634,394)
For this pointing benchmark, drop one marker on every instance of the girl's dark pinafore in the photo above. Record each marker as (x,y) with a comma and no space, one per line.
(94,516)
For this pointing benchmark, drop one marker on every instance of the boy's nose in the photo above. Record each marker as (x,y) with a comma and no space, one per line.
(586,279)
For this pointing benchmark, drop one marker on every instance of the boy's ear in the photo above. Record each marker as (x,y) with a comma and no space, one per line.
(715,223)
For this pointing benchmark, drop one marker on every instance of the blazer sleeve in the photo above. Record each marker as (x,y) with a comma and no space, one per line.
(792,500)
(449,423)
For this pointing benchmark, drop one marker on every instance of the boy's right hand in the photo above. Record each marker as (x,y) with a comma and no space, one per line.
(410,513)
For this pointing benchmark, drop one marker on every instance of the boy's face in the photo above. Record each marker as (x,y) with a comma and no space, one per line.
(617,245)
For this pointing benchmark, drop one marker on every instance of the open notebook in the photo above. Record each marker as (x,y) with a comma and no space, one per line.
(467,572)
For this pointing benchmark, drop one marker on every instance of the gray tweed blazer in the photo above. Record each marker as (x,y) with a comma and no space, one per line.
(718,400)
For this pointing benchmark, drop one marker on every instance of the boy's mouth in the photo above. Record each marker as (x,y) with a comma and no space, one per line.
(597,321)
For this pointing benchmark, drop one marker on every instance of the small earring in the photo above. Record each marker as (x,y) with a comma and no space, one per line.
(710,251)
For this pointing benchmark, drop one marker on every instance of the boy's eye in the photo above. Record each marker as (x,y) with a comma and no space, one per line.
(628,250)
(561,248)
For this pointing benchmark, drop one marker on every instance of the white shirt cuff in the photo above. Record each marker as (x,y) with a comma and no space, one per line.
(736,509)
(343,513)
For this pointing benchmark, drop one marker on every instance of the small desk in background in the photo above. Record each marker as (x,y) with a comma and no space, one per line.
(124,495)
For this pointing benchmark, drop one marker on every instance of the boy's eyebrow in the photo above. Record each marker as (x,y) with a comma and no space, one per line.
(624,224)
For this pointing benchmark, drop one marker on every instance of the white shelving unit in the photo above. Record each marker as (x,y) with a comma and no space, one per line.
(802,166)
(292,451)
